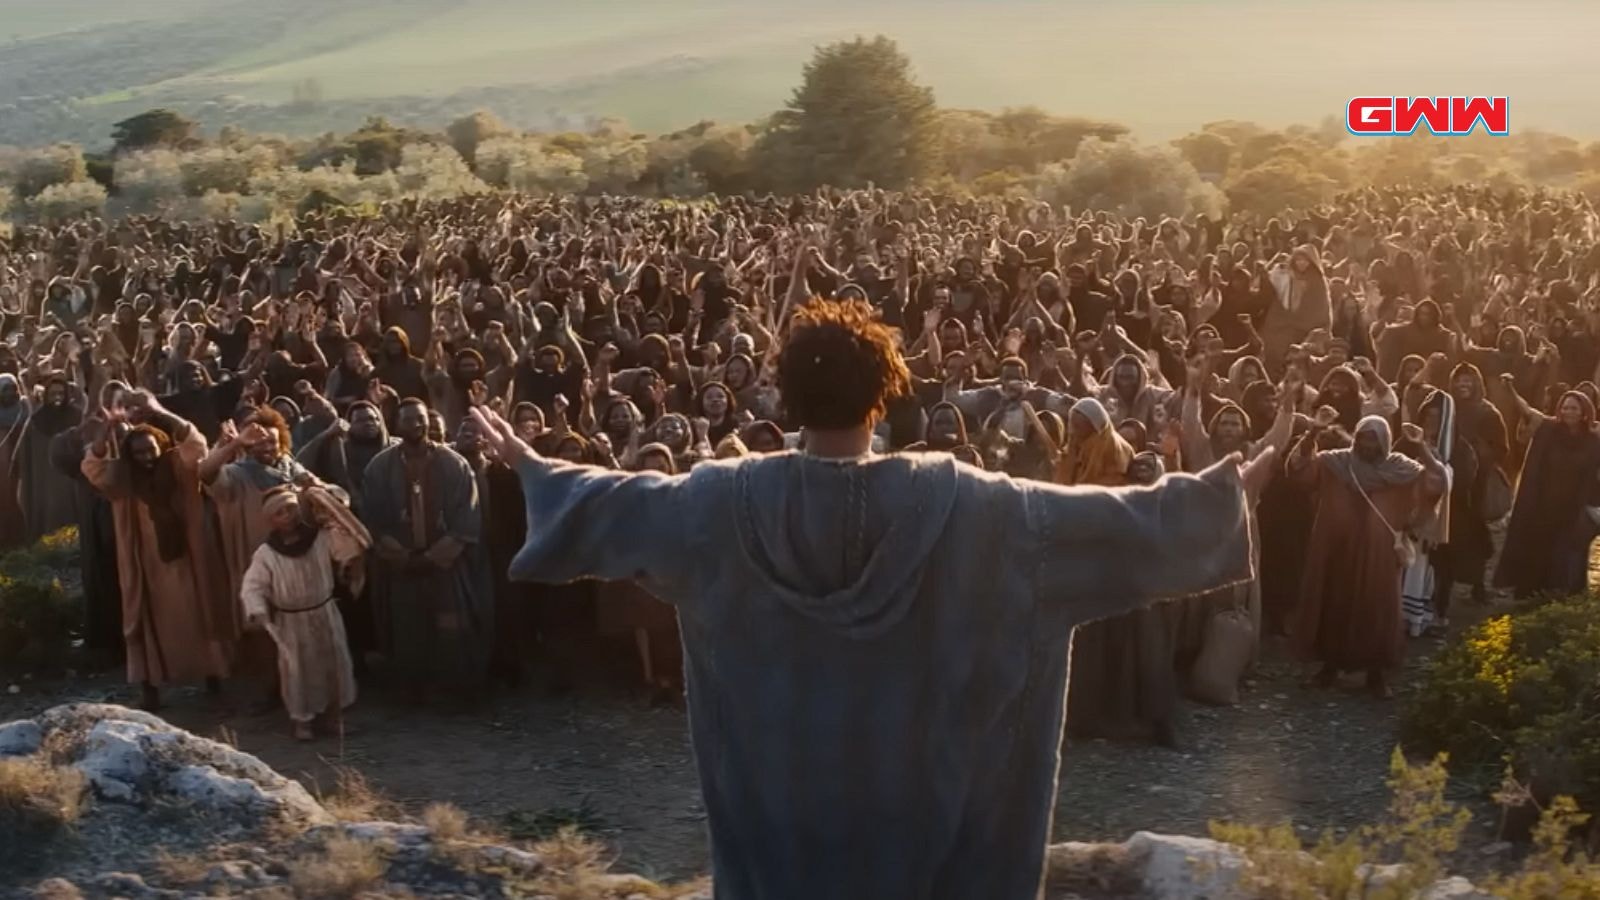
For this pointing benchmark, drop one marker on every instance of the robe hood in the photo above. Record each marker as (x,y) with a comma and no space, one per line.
(844,542)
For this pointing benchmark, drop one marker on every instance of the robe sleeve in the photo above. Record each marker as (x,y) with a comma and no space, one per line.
(463,519)
(255,591)
(1104,552)
(585,522)
(225,486)
(102,472)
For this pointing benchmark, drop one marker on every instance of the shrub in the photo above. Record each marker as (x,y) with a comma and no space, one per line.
(1130,178)
(37,615)
(1521,690)
(59,202)
(1420,830)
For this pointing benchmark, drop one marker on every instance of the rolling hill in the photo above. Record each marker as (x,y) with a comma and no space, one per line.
(69,68)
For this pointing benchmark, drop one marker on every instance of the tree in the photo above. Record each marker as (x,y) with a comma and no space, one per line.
(1276,185)
(150,180)
(525,164)
(1208,151)
(1130,179)
(435,171)
(468,132)
(35,170)
(60,202)
(858,116)
(152,129)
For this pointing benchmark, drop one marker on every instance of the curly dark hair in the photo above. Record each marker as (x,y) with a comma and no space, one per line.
(839,367)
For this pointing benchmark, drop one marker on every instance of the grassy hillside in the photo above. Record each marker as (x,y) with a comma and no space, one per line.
(68,68)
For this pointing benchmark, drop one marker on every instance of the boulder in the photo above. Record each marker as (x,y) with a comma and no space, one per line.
(20,738)
(113,759)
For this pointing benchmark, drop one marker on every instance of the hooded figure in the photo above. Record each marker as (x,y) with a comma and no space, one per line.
(1547,542)
(1367,498)
(1129,393)
(1341,389)
(1423,336)
(48,500)
(859,595)
(1301,305)
(397,368)
(1095,453)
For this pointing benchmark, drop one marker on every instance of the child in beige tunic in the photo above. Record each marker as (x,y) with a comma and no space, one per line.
(288,590)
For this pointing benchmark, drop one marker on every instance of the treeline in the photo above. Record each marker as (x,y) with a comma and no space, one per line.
(858,117)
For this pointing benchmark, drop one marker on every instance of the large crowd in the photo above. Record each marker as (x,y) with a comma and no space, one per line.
(265,437)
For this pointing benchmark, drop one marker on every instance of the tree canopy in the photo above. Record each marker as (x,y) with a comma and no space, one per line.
(858,116)
(153,129)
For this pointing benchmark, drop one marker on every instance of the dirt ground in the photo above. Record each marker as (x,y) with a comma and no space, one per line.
(607,760)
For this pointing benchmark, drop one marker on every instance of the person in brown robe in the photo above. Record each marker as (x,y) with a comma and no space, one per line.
(176,612)
(1349,617)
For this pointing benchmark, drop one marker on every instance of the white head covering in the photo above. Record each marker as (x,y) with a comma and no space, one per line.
(1094,411)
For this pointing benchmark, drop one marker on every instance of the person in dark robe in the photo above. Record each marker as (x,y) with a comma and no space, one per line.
(434,590)
(97,546)
(1423,336)
(340,455)
(13,420)
(1547,542)
(351,379)
(862,611)
(545,373)
(1479,427)
(504,529)
(49,502)
(1349,617)
(201,402)
(1122,684)
(716,404)
(397,368)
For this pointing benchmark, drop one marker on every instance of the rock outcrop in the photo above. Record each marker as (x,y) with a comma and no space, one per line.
(164,813)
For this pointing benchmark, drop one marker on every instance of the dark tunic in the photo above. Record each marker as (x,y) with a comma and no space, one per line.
(97,547)
(1547,542)
(438,622)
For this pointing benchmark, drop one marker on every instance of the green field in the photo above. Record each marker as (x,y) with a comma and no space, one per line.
(1161,66)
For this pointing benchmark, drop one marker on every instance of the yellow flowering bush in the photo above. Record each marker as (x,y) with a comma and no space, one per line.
(1521,690)
(37,613)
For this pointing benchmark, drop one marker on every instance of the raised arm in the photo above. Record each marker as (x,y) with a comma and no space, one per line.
(586,522)
(1103,552)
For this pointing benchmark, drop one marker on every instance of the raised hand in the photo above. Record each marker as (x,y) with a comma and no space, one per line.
(500,436)
(1257,473)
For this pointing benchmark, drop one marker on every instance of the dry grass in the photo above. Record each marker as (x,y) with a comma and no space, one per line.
(446,821)
(177,869)
(38,796)
(354,800)
(576,868)
(346,867)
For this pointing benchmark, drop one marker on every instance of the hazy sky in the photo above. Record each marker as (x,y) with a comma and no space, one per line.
(1160,66)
